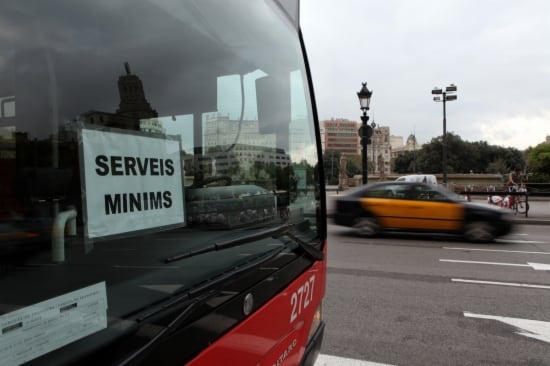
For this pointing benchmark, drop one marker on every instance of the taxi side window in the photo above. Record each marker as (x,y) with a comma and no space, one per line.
(425,193)
(380,192)
(401,191)
(390,191)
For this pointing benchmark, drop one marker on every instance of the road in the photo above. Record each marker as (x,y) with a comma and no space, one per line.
(427,301)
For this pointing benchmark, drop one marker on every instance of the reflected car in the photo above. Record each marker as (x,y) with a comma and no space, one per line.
(419,207)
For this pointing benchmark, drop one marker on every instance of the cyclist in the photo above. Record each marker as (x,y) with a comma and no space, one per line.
(515,181)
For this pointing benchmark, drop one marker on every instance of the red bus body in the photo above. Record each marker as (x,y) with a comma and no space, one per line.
(269,337)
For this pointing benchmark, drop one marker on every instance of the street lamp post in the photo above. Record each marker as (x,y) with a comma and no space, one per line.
(373,140)
(365,131)
(444,96)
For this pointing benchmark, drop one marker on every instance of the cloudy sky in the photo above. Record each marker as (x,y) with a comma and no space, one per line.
(497,52)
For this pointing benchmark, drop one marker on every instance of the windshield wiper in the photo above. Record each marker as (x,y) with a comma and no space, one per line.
(270,233)
(172,325)
(195,297)
(313,252)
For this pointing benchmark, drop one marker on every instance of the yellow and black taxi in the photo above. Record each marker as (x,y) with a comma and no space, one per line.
(418,207)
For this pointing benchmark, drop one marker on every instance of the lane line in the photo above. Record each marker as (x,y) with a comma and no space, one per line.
(511,284)
(495,250)
(510,241)
(328,360)
(479,262)
(535,266)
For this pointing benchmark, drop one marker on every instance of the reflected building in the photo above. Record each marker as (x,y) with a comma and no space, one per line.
(134,111)
(239,145)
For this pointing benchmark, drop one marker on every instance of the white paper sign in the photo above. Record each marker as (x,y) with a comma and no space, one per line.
(35,330)
(132,183)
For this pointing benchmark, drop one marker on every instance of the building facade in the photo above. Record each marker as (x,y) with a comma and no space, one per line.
(341,135)
(380,150)
(410,145)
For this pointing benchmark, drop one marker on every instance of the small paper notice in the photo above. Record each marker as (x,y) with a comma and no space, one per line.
(35,330)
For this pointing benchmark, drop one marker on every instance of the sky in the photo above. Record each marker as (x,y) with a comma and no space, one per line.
(497,53)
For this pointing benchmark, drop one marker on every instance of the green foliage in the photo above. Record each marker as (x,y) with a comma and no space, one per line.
(497,166)
(466,157)
(310,171)
(539,163)
(354,166)
(405,163)
(331,165)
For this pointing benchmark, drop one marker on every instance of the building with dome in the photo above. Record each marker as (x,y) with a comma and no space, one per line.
(410,145)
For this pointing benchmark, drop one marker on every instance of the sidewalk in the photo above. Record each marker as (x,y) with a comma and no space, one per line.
(538,214)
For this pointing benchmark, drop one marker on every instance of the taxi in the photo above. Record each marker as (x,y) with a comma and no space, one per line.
(418,207)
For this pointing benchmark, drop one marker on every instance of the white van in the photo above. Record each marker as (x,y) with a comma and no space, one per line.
(424,178)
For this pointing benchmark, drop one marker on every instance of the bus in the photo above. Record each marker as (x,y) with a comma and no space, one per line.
(161,192)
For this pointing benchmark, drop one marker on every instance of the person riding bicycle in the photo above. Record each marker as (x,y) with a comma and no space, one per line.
(515,181)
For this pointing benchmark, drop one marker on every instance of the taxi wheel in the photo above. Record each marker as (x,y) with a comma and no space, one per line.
(479,232)
(366,226)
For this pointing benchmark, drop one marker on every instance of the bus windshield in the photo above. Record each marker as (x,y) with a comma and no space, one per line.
(136,139)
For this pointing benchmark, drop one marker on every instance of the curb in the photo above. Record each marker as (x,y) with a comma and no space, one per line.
(528,221)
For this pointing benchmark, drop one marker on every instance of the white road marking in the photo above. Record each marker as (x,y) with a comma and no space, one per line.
(540,266)
(529,328)
(510,241)
(495,250)
(512,284)
(535,266)
(327,360)
(479,262)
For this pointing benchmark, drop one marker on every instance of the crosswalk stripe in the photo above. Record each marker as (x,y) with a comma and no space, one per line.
(328,360)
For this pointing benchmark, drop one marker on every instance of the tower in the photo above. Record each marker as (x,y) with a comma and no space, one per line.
(133,103)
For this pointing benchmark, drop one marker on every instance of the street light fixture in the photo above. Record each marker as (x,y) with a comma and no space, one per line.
(373,140)
(365,131)
(444,96)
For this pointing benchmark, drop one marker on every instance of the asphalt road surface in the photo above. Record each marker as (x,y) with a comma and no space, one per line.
(437,301)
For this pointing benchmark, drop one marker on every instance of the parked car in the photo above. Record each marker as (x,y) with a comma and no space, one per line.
(418,207)
(422,178)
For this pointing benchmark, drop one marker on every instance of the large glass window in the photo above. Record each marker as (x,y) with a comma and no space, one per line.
(132,135)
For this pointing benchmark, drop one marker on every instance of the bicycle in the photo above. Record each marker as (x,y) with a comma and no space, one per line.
(518,202)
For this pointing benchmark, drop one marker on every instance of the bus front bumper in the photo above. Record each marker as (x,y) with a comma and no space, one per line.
(313,347)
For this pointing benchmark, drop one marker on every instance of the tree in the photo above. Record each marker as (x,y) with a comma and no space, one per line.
(404,163)
(354,166)
(331,165)
(498,166)
(465,157)
(539,163)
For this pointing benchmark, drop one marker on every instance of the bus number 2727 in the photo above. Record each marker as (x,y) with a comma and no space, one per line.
(301,298)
